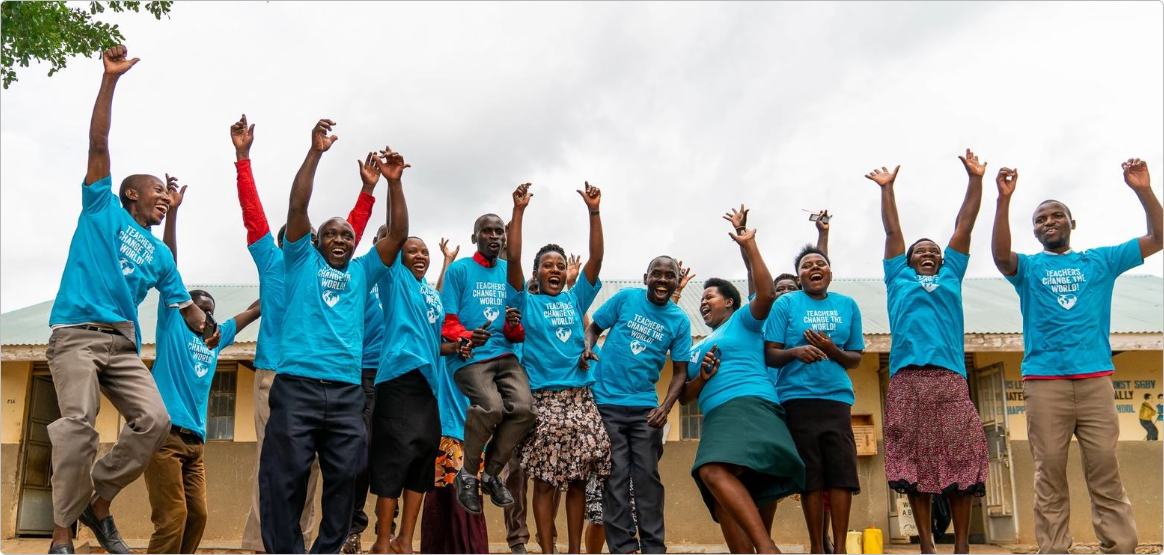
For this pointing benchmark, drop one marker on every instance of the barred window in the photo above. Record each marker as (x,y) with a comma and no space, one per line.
(692,419)
(220,407)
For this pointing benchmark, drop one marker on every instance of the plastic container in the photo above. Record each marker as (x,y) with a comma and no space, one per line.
(853,542)
(872,540)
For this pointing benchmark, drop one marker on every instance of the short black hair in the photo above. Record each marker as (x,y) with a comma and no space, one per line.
(130,182)
(726,289)
(783,277)
(909,251)
(552,247)
(664,257)
(201,294)
(1060,203)
(481,219)
(807,250)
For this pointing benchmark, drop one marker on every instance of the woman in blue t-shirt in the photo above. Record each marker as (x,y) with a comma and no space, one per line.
(569,441)
(934,442)
(746,457)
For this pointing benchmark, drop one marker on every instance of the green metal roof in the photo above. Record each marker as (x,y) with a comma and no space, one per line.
(991,306)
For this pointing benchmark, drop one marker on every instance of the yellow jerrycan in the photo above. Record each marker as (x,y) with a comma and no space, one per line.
(853,542)
(872,540)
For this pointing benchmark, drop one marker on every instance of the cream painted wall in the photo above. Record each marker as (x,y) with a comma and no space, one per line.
(14,378)
(1137,373)
(244,405)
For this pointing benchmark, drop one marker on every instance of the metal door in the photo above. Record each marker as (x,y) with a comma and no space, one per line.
(34,513)
(1000,515)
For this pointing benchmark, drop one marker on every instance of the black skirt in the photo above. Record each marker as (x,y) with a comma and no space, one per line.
(406,436)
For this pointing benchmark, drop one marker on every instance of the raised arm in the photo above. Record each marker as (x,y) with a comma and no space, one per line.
(685,276)
(822,231)
(254,219)
(758,273)
(739,221)
(449,256)
(514,275)
(116,64)
(573,266)
(391,165)
(170,235)
(362,211)
(1136,176)
(248,316)
(894,240)
(298,224)
(592,196)
(968,213)
(1004,259)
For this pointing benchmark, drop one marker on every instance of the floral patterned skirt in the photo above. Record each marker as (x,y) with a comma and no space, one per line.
(933,437)
(569,442)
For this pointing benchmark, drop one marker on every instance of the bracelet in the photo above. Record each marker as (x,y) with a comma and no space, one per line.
(594,212)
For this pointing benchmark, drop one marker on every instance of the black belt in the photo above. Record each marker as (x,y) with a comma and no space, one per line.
(184,432)
(88,327)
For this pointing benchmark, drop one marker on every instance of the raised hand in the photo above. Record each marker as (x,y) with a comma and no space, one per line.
(573,266)
(592,196)
(1136,174)
(241,135)
(176,194)
(974,168)
(738,218)
(1006,180)
(685,276)
(521,195)
(450,256)
(391,164)
(116,62)
(883,176)
(748,236)
(822,220)
(320,140)
(369,171)
(710,364)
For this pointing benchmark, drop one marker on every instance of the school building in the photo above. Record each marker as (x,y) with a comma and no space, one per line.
(994,351)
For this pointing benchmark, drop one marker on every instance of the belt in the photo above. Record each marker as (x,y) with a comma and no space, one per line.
(89,327)
(185,432)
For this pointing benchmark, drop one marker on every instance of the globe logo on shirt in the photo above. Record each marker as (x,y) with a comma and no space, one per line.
(929,283)
(491,313)
(637,347)
(563,334)
(330,297)
(126,267)
(1067,301)
(432,316)
(200,369)
(694,356)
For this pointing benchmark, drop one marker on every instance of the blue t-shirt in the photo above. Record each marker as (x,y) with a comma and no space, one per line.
(554,334)
(413,316)
(268,259)
(113,262)
(323,330)
(741,373)
(476,294)
(451,402)
(373,328)
(837,316)
(1066,306)
(639,337)
(184,368)
(925,314)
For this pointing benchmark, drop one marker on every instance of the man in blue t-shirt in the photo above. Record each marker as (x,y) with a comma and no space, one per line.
(316,399)
(114,260)
(644,327)
(1065,296)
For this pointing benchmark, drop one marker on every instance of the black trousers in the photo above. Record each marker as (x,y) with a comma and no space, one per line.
(635,450)
(359,517)
(310,417)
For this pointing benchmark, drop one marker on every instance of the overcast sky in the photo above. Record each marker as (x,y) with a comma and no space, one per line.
(678,111)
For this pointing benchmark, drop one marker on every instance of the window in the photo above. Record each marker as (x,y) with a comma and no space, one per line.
(220,407)
(692,419)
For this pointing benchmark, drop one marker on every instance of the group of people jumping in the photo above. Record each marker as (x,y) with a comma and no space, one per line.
(438,396)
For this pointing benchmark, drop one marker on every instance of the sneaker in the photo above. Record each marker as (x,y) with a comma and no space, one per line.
(352,545)
(519,548)
(466,486)
(498,494)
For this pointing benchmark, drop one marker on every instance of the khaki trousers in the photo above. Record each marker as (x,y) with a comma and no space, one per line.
(1056,410)
(252,531)
(176,482)
(84,364)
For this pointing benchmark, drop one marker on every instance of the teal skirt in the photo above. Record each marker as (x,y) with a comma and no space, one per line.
(749,432)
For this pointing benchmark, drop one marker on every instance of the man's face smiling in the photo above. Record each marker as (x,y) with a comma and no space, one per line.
(150,199)
(661,279)
(336,242)
(1053,225)
(490,237)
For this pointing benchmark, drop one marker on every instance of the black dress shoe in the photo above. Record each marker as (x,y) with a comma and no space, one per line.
(105,531)
(62,548)
(466,486)
(497,491)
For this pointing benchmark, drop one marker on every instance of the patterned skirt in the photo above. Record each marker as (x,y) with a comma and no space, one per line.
(933,437)
(449,461)
(569,442)
(444,526)
(595,491)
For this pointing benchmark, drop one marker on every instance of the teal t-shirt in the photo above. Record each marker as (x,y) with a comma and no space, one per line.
(450,401)
(272,300)
(476,294)
(837,316)
(742,373)
(1066,307)
(323,330)
(554,334)
(184,368)
(413,316)
(925,314)
(373,329)
(640,334)
(113,262)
